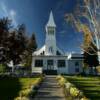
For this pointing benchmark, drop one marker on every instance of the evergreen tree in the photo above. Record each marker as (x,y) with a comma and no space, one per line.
(32,45)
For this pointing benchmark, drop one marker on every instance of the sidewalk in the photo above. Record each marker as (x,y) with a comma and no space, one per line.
(50,90)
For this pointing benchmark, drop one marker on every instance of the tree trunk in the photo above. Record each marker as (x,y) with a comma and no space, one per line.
(12,69)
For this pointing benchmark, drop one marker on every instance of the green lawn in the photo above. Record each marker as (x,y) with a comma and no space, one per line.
(10,87)
(89,85)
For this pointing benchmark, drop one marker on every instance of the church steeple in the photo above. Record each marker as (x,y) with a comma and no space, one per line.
(51,22)
(50,41)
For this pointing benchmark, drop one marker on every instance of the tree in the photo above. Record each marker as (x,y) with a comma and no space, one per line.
(90,49)
(14,43)
(17,45)
(88,10)
(32,46)
(5,25)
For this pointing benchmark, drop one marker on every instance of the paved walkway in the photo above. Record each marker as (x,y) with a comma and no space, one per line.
(50,90)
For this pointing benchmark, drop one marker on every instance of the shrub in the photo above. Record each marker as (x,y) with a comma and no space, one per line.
(21,98)
(84,98)
(62,81)
(29,91)
(25,93)
(74,91)
(71,92)
(58,77)
(68,85)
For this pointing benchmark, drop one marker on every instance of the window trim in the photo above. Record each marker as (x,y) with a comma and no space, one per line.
(39,63)
(61,63)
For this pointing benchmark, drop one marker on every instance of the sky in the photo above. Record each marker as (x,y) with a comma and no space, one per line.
(35,14)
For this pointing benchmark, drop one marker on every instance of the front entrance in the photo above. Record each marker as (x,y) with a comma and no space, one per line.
(50,65)
(50,68)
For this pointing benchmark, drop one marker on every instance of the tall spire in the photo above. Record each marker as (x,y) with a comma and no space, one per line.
(51,20)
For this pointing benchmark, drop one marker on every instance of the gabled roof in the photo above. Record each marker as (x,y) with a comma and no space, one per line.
(38,52)
(41,50)
(51,21)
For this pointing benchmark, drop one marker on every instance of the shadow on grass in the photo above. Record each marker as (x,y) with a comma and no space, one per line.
(90,87)
(9,88)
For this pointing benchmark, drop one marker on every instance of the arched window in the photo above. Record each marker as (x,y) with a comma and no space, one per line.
(51,30)
(51,49)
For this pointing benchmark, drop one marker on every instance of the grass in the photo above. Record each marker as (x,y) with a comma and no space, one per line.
(10,87)
(89,85)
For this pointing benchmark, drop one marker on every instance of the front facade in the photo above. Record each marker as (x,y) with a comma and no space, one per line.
(51,60)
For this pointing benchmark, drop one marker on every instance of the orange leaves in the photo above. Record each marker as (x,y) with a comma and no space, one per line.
(87,33)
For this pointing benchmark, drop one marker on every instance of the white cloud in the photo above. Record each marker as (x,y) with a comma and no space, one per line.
(11,13)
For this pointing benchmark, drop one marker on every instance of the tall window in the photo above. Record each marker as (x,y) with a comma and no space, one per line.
(51,30)
(61,63)
(77,67)
(38,63)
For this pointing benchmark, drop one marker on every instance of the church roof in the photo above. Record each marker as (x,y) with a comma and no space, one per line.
(43,49)
(51,20)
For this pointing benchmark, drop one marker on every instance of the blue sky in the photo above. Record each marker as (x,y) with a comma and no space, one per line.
(35,13)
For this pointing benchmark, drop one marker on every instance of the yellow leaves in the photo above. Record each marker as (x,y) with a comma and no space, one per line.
(84,98)
(58,77)
(74,91)
(87,34)
(85,29)
(29,86)
(25,93)
(61,80)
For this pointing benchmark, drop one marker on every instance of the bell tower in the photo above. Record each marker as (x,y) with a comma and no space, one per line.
(50,41)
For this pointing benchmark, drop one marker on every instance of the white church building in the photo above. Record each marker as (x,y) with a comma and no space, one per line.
(51,60)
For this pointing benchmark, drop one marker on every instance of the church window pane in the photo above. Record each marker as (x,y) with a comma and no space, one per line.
(76,67)
(38,63)
(61,63)
(50,62)
(76,63)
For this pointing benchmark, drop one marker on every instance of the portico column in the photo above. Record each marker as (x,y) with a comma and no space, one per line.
(98,54)
(33,64)
(66,62)
(44,64)
(55,64)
